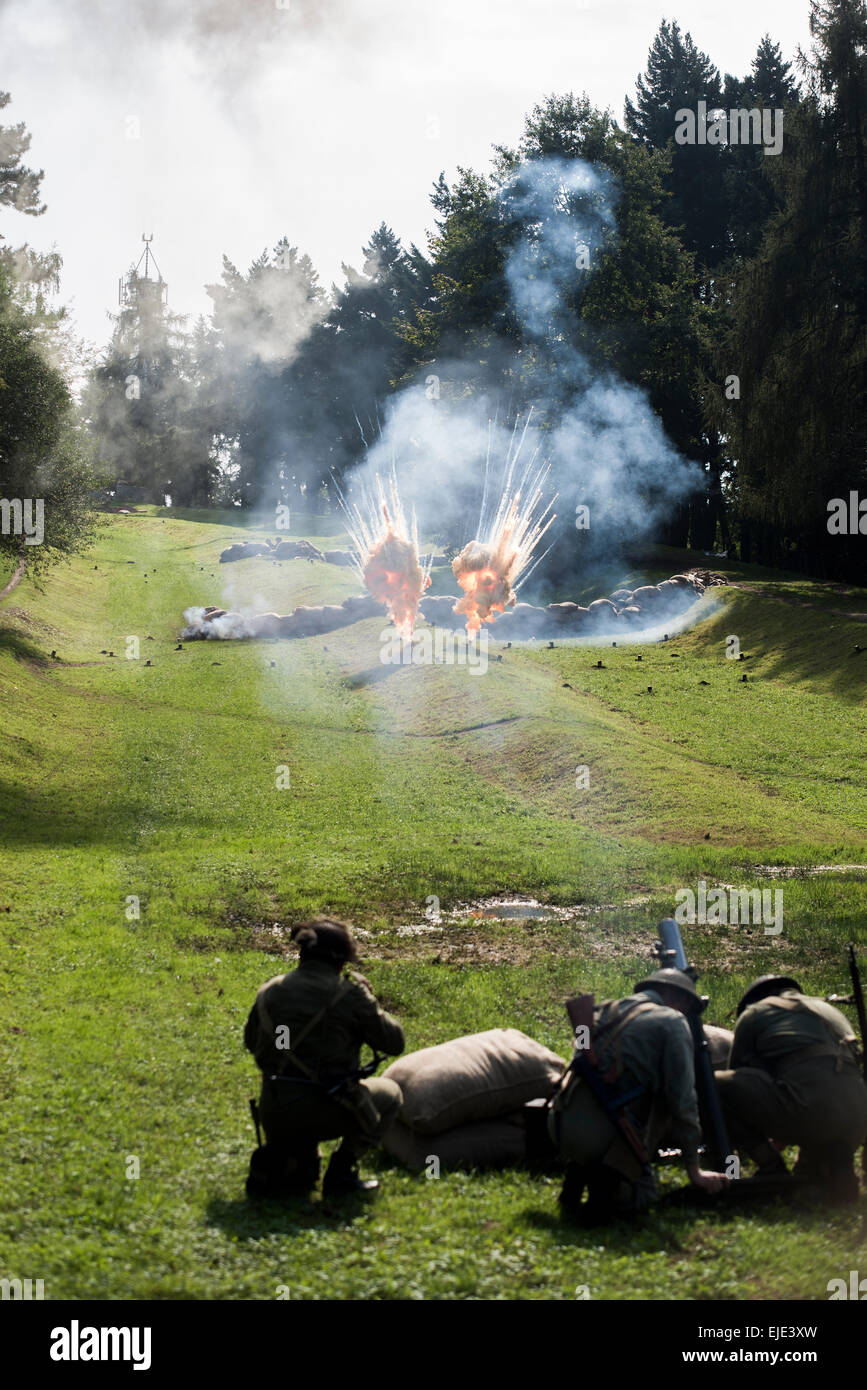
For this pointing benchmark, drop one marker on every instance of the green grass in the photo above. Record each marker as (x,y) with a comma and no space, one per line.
(122,1035)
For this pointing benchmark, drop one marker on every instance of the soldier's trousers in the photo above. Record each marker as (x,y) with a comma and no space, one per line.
(811,1105)
(296,1116)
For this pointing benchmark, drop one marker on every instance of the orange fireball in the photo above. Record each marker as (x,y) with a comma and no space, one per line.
(489,568)
(484,574)
(395,577)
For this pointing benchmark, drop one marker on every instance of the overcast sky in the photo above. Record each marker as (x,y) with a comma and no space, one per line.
(221,125)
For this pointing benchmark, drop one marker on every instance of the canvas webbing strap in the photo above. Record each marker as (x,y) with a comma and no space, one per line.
(611,1031)
(268,1023)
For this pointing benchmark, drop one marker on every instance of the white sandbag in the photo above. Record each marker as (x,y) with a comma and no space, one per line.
(478,1077)
(719,1045)
(483,1144)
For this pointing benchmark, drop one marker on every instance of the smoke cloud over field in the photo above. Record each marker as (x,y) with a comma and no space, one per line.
(607,450)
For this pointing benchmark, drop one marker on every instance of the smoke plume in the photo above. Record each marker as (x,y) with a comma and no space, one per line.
(607,450)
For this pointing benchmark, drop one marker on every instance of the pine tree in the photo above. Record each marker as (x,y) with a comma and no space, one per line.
(750,194)
(260,321)
(19,185)
(798,337)
(33,277)
(637,314)
(139,397)
(43,453)
(357,355)
(771,81)
(678,76)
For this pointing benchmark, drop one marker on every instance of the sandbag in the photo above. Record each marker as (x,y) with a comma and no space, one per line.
(648,596)
(602,612)
(719,1045)
(561,613)
(295,550)
(484,1144)
(244,550)
(438,609)
(521,621)
(478,1077)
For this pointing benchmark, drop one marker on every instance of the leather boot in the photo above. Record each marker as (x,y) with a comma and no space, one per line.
(276,1174)
(572,1191)
(342,1177)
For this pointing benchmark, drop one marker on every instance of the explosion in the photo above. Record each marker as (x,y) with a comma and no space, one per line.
(386,555)
(488,568)
(485,574)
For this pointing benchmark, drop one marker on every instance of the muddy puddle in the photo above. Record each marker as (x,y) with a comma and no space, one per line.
(805,870)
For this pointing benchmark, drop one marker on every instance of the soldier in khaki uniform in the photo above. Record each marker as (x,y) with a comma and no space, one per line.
(305,1031)
(646,1039)
(794,1079)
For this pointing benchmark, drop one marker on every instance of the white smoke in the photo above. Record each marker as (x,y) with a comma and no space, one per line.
(226,628)
(607,448)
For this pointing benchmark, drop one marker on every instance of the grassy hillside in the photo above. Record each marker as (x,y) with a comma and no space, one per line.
(120,1035)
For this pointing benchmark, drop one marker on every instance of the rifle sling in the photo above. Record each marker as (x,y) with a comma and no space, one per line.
(268,1024)
(603,1084)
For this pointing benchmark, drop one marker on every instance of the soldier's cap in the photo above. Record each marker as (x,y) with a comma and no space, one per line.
(764,986)
(674,979)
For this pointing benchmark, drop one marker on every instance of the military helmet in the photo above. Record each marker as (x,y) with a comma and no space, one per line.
(674,979)
(765,985)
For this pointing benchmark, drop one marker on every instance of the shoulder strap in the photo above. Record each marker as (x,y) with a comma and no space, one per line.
(268,1024)
(610,1032)
(619,1027)
(644,1007)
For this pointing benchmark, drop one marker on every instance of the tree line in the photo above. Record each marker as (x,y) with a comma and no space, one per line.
(731,290)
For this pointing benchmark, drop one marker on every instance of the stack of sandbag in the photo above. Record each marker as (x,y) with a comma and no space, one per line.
(244,550)
(462,1100)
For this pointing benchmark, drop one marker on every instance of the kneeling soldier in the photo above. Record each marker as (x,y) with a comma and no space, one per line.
(794,1077)
(305,1030)
(644,1057)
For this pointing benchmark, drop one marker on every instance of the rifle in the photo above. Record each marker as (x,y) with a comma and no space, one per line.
(856,998)
(669,950)
(254,1111)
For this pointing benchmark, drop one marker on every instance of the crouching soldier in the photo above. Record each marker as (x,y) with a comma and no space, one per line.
(794,1078)
(633,1083)
(305,1031)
